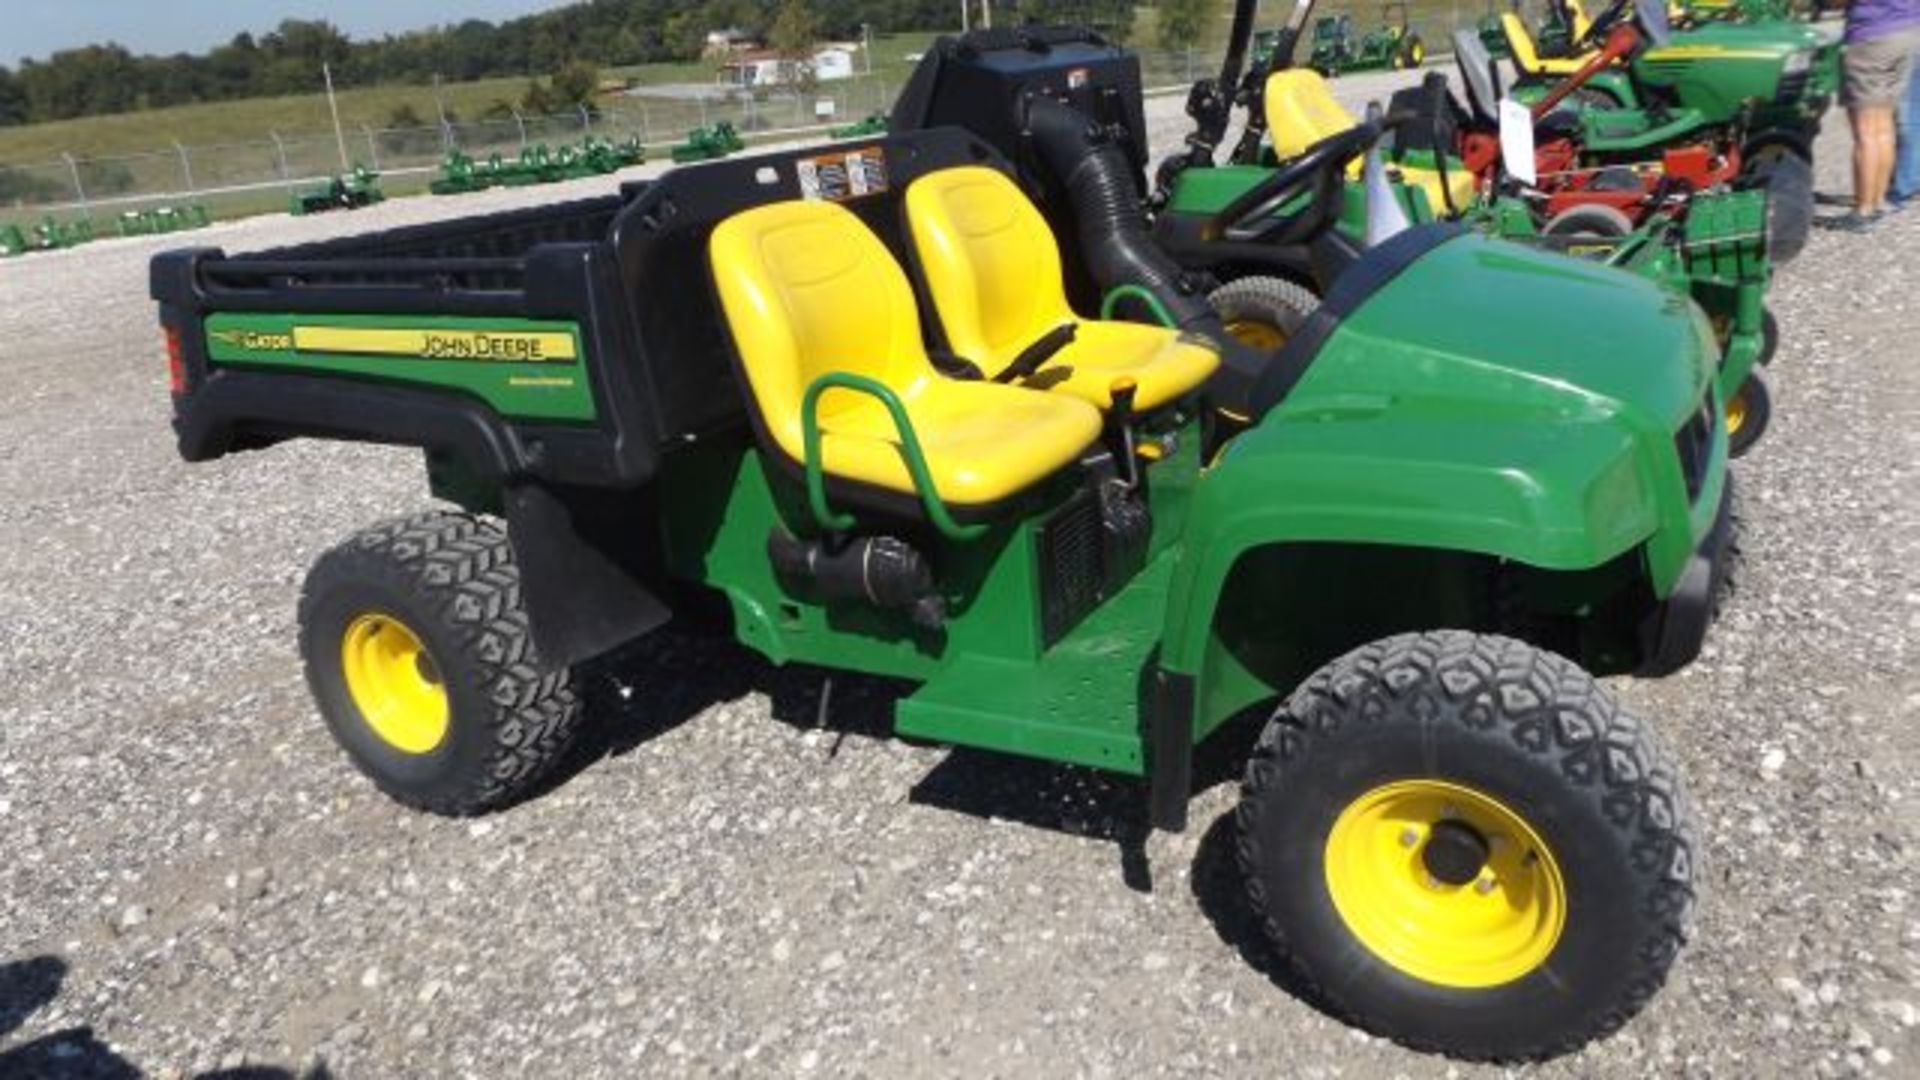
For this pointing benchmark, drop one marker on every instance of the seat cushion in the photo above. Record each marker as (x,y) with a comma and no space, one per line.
(983,442)
(809,290)
(993,271)
(1165,365)
(1458,180)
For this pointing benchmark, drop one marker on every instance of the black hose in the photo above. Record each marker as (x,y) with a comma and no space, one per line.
(1117,245)
(1111,225)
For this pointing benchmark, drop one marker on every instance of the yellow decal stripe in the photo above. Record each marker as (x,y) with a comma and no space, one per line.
(520,347)
(1697,52)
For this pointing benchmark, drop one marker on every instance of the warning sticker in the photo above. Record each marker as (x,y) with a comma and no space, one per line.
(842,176)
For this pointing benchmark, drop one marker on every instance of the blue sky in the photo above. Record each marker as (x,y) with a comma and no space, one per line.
(34,28)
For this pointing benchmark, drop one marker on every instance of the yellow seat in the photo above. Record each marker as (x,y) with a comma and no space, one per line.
(993,270)
(1301,111)
(808,290)
(1527,57)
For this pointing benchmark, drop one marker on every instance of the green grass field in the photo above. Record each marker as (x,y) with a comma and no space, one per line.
(252,120)
(231,144)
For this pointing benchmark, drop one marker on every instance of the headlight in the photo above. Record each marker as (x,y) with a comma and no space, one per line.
(1798,63)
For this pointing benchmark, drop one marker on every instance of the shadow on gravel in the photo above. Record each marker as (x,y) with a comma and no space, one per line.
(651,687)
(1074,800)
(1222,897)
(26,986)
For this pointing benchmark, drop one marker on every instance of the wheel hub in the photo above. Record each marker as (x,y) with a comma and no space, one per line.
(394,683)
(1454,853)
(1445,883)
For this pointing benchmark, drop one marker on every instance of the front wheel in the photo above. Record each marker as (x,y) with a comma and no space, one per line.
(1464,844)
(419,656)
(1748,412)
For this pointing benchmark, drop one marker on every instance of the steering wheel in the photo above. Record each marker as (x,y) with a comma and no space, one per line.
(1607,20)
(1318,171)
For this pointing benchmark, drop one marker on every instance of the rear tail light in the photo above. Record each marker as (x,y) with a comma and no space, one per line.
(176,367)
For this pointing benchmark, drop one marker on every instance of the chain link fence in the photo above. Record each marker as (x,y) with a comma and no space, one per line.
(258,175)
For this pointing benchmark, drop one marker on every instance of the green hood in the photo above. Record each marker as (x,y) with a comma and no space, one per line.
(1480,327)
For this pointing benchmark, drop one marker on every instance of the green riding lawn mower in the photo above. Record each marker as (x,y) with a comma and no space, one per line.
(1339,48)
(1769,82)
(851,406)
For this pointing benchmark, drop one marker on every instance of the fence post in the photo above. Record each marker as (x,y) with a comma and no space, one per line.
(522,121)
(186,165)
(646,129)
(586,119)
(373,151)
(79,188)
(279,150)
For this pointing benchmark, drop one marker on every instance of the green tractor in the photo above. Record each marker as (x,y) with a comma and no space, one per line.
(352,190)
(1338,47)
(1770,81)
(708,144)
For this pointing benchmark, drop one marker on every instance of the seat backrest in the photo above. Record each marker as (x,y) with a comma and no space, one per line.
(1476,72)
(1520,42)
(991,264)
(1581,23)
(807,289)
(1301,111)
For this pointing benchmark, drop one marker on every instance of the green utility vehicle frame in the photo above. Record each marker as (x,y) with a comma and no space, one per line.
(1338,48)
(777,398)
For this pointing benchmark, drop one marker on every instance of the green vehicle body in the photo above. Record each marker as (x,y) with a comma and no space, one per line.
(1422,473)
(708,144)
(12,241)
(1772,82)
(349,191)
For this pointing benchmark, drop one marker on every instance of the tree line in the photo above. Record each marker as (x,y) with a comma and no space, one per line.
(109,78)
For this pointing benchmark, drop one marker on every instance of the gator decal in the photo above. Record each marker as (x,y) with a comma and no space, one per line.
(524,369)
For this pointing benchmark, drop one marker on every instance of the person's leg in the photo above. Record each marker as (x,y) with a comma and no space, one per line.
(1875,79)
(1873,142)
(1906,173)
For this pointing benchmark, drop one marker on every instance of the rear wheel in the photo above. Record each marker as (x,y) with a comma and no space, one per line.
(1416,52)
(418,654)
(1263,313)
(1748,412)
(1464,844)
(1787,178)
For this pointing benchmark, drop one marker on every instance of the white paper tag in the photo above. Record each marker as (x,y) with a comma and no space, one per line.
(1516,141)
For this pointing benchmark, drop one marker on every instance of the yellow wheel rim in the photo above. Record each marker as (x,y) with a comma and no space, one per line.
(1258,335)
(1737,411)
(1499,923)
(395,683)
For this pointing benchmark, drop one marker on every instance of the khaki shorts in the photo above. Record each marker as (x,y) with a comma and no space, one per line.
(1877,69)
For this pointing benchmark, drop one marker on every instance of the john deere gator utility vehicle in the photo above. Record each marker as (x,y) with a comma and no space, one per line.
(1338,48)
(837,403)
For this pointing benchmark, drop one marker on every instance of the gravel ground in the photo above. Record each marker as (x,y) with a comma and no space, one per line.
(194,878)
